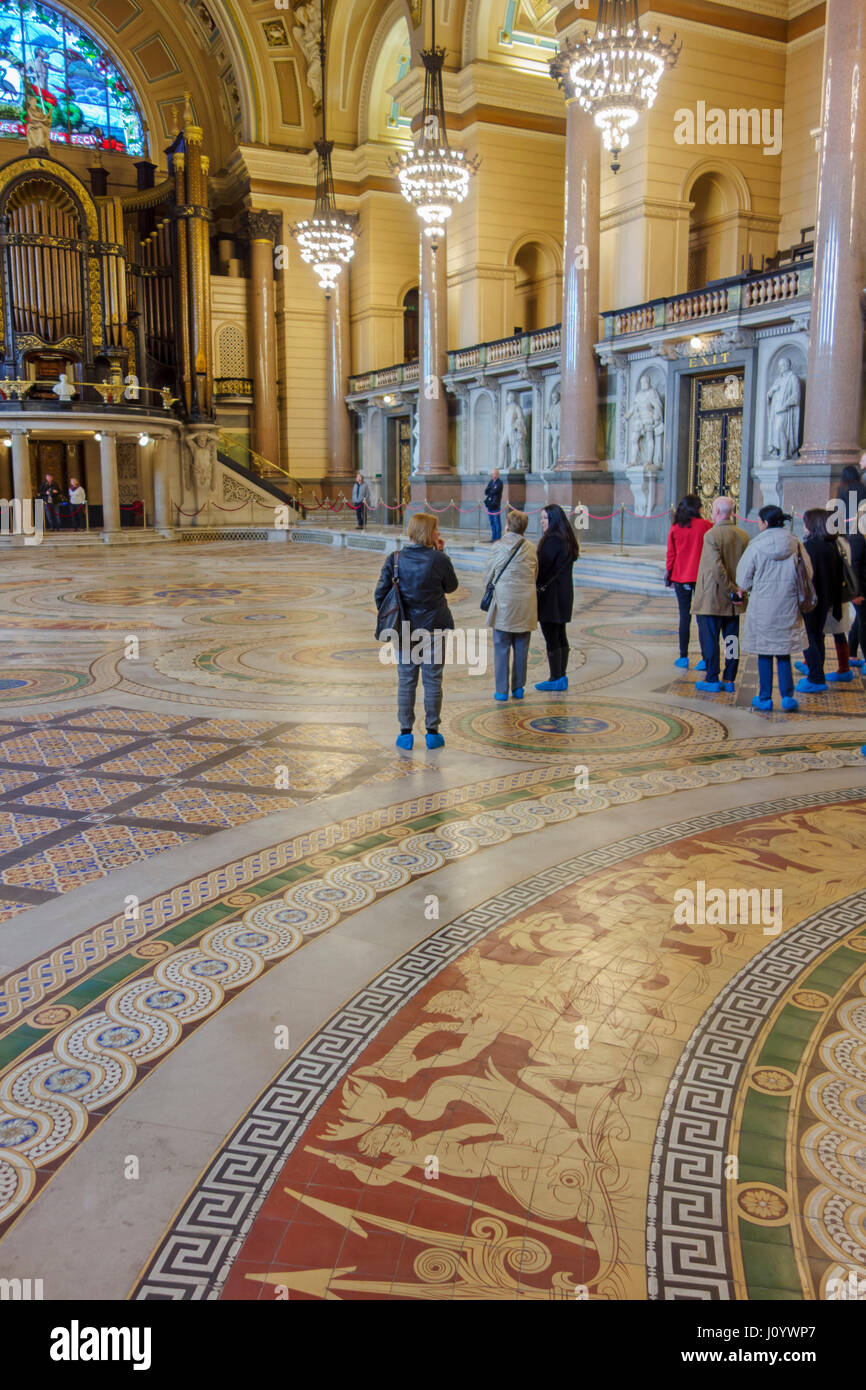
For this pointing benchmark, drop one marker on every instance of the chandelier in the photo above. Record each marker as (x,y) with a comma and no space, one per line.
(327,239)
(433,177)
(615,73)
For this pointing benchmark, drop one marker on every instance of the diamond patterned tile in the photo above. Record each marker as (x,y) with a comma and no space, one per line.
(138,720)
(17,830)
(9,910)
(257,767)
(81,793)
(10,780)
(329,736)
(229,729)
(164,757)
(91,854)
(195,804)
(57,748)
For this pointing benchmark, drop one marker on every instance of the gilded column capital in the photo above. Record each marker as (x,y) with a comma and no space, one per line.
(263,226)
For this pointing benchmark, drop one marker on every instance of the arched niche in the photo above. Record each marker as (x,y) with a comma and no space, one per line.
(390,59)
(536,263)
(718,222)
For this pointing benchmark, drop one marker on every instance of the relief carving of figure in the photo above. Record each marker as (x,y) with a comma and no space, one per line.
(201,451)
(552,424)
(513,439)
(307,30)
(783,403)
(648,430)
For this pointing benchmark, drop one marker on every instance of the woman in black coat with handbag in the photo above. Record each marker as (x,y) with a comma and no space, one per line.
(557,552)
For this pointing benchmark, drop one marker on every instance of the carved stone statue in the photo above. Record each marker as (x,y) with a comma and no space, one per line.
(552,425)
(783,403)
(38,124)
(648,430)
(201,451)
(307,33)
(512,445)
(64,390)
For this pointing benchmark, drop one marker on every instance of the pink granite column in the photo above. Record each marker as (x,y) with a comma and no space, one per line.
(579,392)
(339,364)
(833,380)
(433,358)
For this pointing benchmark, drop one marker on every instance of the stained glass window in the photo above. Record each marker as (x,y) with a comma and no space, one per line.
(44,53)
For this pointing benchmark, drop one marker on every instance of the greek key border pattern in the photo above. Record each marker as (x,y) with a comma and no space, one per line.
(196,1253)
(688,1251)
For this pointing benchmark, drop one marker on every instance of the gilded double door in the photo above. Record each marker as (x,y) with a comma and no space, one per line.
(717,435)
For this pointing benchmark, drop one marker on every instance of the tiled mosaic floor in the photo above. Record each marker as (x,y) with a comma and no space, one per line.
(487,1001)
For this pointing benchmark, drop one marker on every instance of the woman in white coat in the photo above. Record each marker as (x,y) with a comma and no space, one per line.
(513,614)
(773,625)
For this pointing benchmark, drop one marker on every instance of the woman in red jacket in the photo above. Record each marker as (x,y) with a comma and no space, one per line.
(685,543)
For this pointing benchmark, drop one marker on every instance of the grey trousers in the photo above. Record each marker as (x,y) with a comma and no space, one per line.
(503,644)
(407,684)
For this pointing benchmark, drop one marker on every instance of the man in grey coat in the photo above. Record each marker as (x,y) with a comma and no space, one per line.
(360,497)
(717,614)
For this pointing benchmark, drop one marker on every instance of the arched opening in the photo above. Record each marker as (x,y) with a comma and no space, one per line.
(387,120)
(410,325)
(714,223)
(535,288)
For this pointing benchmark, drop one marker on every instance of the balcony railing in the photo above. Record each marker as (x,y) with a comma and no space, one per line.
(724,297)
(232,386)
(385,378)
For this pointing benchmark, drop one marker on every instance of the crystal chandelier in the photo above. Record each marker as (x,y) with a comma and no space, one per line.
(615,73)
(327,239)
(433,177)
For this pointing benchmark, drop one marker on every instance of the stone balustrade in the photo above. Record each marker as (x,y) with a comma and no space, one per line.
(730,296)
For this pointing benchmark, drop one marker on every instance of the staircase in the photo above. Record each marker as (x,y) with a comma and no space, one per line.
(235,455)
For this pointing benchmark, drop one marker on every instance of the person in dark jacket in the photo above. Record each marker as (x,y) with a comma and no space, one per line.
(851,491)
(424,576)
(51,496)
(557,552)
(493,503)
(855,544)
(360,498)
(827,576)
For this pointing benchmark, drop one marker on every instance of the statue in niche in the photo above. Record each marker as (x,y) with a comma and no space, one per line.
(201,450)
(648,430)
(783,404)
(552,425)
(307,32)
(513,440)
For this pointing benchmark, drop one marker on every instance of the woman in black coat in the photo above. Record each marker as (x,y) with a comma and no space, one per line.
(557,552)
(827,576)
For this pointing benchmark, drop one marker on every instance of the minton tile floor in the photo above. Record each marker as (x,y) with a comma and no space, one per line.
(468,1048)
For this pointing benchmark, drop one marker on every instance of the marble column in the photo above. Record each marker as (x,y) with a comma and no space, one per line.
(22,479)
(264,228)
(579,393)
(339,367)
(433,358)
(108,474)
(833,378)
(161,499)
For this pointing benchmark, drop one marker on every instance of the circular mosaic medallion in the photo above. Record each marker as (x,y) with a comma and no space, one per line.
(240,900)
(577,726)
(151,949)
(52,1015)
(810,999)
(66,1080)
(763,1204)
(40,683)
(772,1080)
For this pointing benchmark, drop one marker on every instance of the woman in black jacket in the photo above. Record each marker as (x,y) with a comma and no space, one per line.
(827,575)
(557,552)
(424,576)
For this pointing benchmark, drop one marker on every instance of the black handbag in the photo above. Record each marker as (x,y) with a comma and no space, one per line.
(391,614)
(850,586)
(487,596)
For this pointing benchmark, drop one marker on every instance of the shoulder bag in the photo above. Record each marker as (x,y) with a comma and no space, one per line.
(807,598)
(392,614)
(487,597)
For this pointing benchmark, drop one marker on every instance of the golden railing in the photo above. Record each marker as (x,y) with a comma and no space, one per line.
(231,446)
